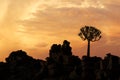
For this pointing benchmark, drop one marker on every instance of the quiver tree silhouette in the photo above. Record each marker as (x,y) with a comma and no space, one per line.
(89,33)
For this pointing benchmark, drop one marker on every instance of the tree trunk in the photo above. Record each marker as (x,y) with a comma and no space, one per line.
(88,49)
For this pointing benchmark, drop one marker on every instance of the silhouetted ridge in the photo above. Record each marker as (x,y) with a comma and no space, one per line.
(23,67)
(61,64)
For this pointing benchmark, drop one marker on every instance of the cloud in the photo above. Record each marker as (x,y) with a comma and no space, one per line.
(61,17)
(57,24)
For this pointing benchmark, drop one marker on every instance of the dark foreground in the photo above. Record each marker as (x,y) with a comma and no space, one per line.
(60,65)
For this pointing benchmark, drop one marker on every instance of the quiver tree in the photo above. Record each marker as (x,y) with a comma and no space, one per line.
(90,33)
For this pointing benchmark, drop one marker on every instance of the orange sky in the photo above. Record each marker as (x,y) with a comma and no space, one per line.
(34,25)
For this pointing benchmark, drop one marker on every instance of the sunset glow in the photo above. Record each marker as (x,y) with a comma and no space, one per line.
(34,25)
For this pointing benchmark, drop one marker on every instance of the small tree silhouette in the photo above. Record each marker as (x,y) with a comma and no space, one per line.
(89,33)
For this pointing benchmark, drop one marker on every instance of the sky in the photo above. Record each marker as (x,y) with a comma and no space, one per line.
(34,25)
